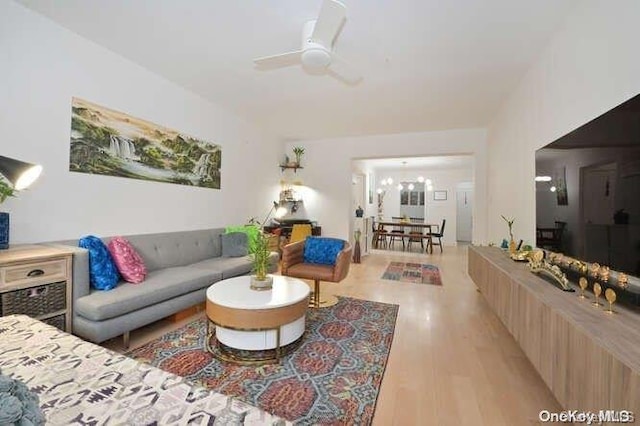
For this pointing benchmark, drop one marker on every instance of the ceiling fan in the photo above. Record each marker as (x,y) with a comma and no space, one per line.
(316,54)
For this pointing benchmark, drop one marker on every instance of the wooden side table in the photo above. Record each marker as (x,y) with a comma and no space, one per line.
(36,281)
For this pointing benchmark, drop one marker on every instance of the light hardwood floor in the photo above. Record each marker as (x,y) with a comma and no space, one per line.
(452,361)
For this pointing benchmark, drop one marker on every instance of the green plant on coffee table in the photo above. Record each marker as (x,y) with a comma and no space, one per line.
(260,253)
(260,256)
(6,190)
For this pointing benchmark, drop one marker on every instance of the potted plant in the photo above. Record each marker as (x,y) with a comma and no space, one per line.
(298,151)
(512,242)
(260,257)
(6,191)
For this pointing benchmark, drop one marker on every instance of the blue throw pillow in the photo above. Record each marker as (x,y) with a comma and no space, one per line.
(103,273)
(322,250)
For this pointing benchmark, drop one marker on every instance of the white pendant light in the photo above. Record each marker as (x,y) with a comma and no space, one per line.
(420,179)
(411,187)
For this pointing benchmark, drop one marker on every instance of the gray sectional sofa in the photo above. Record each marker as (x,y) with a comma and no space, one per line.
(180,265)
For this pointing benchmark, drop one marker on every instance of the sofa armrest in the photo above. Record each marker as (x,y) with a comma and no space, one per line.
(343,261)
(292,254)
(80,272)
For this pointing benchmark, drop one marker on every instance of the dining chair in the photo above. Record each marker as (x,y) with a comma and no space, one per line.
(550,238)
(397,231)
(416,233)
(299,232)
(379,234)
(439,235)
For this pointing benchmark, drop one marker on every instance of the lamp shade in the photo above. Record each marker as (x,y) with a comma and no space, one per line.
(19,173)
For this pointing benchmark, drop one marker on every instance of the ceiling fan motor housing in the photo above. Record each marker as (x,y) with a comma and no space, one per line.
(315,56)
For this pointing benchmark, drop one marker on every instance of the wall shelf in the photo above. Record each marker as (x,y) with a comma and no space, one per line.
(283,167)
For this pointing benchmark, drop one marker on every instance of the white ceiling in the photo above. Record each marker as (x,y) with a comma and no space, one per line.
(427,64)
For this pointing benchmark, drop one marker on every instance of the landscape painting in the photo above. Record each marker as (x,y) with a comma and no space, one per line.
(108,142)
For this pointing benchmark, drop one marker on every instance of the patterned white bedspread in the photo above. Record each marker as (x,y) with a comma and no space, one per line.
(80,383)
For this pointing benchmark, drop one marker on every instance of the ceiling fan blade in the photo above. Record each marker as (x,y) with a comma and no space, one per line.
(343,71)
(278,61)
(332,16)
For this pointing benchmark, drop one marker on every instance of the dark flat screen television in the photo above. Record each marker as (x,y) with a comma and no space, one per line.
(588,191)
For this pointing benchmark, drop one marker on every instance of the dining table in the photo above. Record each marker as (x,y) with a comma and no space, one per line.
(381,224)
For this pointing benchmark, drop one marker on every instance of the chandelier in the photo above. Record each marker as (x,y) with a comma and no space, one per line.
(410,186)
(387,182)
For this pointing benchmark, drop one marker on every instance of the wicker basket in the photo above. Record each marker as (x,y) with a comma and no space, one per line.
(34,301)
(58,321)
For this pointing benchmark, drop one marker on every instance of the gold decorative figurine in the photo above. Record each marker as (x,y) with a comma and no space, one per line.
(597,291)
(623,280)
(604,273)
(610,295)
(582,268)
(593,270)
(583,285)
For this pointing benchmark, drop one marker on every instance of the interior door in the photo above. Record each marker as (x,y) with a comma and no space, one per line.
(464,210)
(598,194)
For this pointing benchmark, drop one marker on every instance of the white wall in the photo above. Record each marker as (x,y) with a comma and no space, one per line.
(42,67)
(327,170)
(589,67)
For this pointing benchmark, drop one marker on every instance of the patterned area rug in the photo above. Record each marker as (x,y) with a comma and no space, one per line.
(332,378)
(418,273)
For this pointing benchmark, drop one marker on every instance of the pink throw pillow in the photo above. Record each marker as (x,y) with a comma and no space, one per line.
(128,261)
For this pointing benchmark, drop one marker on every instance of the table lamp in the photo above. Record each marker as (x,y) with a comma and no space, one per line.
(19,173)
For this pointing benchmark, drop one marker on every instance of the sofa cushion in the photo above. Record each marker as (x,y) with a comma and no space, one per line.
(233,266)
(226,266)
(234,244)
(129,263)
(160,285)
(103,273)
(171,249)
(322,250)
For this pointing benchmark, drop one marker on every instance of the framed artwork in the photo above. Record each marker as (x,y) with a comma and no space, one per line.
(561,186)
(439,195)
(109,142)
(370,183)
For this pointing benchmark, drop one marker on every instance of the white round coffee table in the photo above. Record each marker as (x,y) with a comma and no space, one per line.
(250,320)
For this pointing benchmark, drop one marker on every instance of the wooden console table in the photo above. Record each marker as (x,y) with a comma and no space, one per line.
(590,360)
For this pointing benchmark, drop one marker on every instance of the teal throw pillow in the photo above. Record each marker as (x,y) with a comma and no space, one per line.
(322,250)
(103,273)
(252,232)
